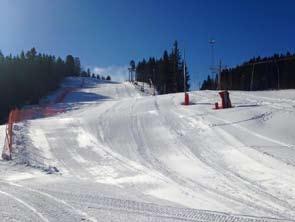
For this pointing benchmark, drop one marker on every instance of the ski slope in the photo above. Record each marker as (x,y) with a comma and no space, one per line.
(119,155)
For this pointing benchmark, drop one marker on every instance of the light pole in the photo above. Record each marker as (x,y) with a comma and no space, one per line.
(212,43)
(184,77)
(219,76)
(186,96)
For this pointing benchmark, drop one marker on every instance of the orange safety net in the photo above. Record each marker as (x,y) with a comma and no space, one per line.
(28,113)
(13,117)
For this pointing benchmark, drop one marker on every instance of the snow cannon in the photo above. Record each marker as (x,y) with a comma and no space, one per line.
(225,100)
(186,99)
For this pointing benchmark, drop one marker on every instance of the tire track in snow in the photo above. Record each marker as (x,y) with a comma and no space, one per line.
(225,134)
(83,214)
(161,168)
(178,181)
(106,145)
(31,208)
(154,167)
(229,173)
(159,211)
(211,165)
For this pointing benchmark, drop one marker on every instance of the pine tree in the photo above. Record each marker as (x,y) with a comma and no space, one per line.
(166,73)
(165,70)
(187,77)
(88,72)
(173,84)
(70,65)
(77,69)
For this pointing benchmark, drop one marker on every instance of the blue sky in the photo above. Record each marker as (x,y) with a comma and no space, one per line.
(107,34)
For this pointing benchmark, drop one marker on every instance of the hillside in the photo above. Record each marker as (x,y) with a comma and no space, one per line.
(113,153)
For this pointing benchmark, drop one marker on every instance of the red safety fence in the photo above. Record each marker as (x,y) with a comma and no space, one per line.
(13,117)
(28,113)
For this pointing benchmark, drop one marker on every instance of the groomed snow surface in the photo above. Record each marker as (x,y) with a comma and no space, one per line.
(116,154)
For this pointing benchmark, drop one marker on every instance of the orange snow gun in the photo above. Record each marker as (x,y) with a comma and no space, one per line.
(186,99)
(225,100)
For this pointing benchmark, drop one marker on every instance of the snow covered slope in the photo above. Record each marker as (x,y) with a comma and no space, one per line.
(2,135)
(125,156)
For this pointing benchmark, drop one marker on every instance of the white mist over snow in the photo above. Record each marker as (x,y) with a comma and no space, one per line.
(118,73)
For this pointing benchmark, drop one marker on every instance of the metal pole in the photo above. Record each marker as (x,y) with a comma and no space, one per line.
(212,53)
(219,76)
(184,77)
(212,42)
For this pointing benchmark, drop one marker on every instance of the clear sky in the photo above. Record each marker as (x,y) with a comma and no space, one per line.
(107,34)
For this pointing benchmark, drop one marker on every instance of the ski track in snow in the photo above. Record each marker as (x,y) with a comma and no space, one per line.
(123,155)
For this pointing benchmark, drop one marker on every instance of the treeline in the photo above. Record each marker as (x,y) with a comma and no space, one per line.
(96,76)
(275,72)
(166,73)
(27,77)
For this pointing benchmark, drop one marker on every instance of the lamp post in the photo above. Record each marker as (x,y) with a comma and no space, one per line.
(212,43)
(184,77)
(186,96)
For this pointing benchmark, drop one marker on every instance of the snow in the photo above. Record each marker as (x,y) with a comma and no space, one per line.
(124,155)
(2,135)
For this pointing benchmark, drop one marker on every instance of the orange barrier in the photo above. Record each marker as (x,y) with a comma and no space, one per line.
(28,113)
(17,115)
(13,118)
